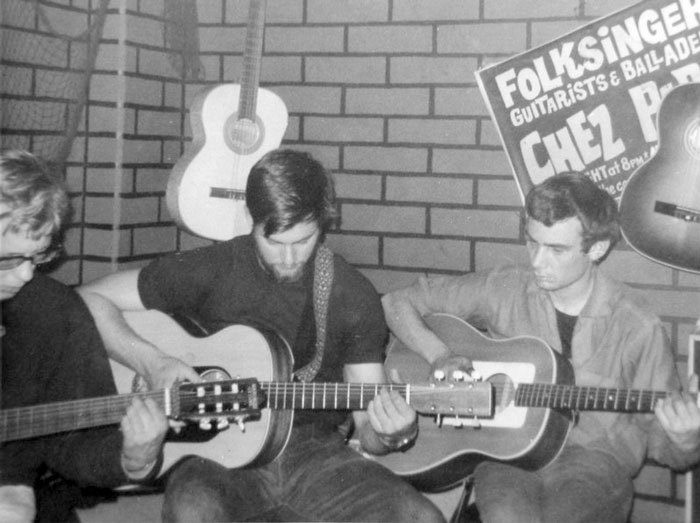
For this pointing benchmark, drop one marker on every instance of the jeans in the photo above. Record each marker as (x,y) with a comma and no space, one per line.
(580,486)
(317,478)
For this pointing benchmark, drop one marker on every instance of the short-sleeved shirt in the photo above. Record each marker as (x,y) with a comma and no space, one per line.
(51,351)
(617,342)
(225,284)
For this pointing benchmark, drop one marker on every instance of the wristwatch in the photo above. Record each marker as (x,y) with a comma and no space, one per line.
(402,444)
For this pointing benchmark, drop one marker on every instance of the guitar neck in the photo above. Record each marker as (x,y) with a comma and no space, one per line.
(51,418)
(251,60)
(586,398)
(326,396)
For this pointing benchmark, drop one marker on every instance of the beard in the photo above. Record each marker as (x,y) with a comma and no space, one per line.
(281,273)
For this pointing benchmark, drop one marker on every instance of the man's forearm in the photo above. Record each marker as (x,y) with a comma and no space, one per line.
(406,323)
(122,343)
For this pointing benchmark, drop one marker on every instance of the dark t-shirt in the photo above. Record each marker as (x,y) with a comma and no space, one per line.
(225,284)
(566,324)
(51,351)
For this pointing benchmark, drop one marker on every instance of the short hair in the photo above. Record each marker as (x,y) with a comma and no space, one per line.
(287,187)
(37,198)
(574,194)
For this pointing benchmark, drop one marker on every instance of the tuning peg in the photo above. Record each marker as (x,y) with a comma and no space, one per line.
(240,421)
(205,424)
(471,374)
(474,374)
(439,375)
(459,375)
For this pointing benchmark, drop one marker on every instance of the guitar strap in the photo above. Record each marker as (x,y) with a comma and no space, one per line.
(323,283)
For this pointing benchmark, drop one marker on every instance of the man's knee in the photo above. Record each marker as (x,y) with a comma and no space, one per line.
(419,509)
(191,495)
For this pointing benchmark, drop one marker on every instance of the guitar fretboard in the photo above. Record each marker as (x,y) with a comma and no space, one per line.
(326,396)
(51,418)
(251,60)
(586,398)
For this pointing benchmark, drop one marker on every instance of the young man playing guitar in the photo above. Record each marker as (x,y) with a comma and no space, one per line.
(611,339)
(282,277)
(51,351)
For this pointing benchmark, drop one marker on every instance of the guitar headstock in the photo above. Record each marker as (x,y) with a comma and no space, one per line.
(469,399)
(238,400)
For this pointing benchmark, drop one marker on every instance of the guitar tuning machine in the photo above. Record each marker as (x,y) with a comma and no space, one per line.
(240,421)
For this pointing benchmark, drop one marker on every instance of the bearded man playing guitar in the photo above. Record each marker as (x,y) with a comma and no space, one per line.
(609,336)
(282,277)
(51,351)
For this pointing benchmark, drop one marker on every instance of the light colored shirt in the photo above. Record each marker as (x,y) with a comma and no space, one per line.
(617,342)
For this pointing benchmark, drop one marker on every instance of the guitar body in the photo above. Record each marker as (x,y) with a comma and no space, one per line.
(660,205)
(241,352)
(206,189)
(444,455)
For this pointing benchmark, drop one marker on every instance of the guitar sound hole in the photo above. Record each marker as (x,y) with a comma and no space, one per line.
(242,135)
(504,391)
(211,374)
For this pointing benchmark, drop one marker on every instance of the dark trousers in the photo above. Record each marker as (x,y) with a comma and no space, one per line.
(317,478)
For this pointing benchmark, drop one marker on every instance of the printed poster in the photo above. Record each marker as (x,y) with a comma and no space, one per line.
(588,101)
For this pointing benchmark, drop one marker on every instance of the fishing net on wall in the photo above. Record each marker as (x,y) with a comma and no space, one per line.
(48,52)
(181,37)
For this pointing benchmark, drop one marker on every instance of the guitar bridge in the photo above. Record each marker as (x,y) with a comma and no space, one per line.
(682,213)
(229,194)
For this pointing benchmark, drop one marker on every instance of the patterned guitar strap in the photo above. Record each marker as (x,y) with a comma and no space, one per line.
(323,282)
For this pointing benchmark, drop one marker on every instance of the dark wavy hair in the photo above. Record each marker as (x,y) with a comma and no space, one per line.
(35,195)
(573,194)
(287,187)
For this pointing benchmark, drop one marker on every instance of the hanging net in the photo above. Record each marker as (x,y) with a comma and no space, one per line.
(47,54)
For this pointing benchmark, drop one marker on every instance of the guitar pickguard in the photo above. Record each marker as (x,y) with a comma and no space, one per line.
(505,377)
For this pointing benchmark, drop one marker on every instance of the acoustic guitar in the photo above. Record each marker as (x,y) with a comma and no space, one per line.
(233,126)
(247,380)
(660,205)
(534,396)
(253,367)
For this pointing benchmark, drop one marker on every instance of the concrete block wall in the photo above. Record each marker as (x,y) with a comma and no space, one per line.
(383,92)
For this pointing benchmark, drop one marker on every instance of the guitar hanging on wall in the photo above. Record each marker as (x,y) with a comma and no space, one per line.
(233,126)
(660,205)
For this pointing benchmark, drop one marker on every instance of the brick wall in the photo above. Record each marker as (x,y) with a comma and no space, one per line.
(384,93)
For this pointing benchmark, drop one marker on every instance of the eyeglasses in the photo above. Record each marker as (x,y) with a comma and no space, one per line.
(12,262)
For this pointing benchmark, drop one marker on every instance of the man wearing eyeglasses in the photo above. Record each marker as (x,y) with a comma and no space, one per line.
(51,351)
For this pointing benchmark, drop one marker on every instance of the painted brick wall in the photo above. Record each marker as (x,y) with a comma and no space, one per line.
(384,93)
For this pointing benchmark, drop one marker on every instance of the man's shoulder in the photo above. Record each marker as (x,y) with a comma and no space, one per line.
(46,300)
(625,300)
(508,277)
(44,290)
(348,274)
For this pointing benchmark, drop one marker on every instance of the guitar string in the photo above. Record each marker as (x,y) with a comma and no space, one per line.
(248,89)
(50,415)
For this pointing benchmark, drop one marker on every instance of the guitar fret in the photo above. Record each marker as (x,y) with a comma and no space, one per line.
(554,395)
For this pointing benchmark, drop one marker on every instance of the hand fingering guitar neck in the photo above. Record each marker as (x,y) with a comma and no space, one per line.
(233,126)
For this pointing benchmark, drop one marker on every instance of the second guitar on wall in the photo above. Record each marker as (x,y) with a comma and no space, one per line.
(233,126)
